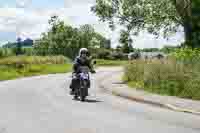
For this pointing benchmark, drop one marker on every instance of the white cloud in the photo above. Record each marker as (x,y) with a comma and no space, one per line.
(72,3)
(23,3)
(7,12)
(7,19)
(31,23)
(145,40)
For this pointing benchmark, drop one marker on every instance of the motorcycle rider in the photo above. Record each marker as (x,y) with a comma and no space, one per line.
(83,59)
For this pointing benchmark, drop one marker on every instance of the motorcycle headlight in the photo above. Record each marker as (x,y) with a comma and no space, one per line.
(84,76)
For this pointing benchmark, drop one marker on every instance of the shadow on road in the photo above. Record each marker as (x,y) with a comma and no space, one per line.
(89,100)
(92,101)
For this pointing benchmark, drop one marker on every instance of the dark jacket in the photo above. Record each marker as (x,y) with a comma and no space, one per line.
(79,62)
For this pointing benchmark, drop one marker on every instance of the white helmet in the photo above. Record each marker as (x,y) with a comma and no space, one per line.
(83,50)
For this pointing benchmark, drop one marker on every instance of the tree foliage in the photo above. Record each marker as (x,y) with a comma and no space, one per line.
(126,42)
(138,14)
(152,15)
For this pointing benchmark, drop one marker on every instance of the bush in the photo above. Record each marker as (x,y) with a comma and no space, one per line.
(28,51)
(108,54)
(118,56)
(167,77)
(187,55)
(133,56)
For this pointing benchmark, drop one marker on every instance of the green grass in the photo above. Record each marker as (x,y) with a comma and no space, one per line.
(137,85)
(10,72)
(165,77)
(102,62)
(18,60)
(22,66)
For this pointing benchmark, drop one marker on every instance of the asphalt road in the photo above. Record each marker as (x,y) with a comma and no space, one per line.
(43,105)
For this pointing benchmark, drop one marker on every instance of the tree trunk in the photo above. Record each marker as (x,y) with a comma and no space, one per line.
(188,33)
(195,23)
(192,25)
(192,34)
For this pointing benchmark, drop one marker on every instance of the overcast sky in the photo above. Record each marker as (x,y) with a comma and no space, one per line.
(29,18)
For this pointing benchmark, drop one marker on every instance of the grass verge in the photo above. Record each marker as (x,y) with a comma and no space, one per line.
(22,66)
(165,77)
(10,72)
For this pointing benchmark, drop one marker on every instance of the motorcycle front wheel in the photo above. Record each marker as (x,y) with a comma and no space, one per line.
(82,98)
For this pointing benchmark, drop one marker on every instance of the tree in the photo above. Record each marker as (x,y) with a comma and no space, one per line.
(153,15)
(107,44)
(125,48)
(90,38)
(19,46)
(131,49)
(87,33)
(189,12)
(126,41)
(169,49)
(118,48)
(62,39)
(103,42)
(27,42)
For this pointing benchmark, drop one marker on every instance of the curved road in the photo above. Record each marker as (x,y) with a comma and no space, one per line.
(42,105)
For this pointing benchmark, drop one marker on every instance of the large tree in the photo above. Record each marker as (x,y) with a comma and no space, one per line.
(189,11)
(153,15)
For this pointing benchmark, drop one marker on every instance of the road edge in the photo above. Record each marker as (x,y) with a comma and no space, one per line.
(107,85)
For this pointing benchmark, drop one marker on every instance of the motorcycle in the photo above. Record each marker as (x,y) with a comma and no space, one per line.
(82,89)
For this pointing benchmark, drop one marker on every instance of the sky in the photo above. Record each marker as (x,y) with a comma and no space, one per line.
(29,18)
